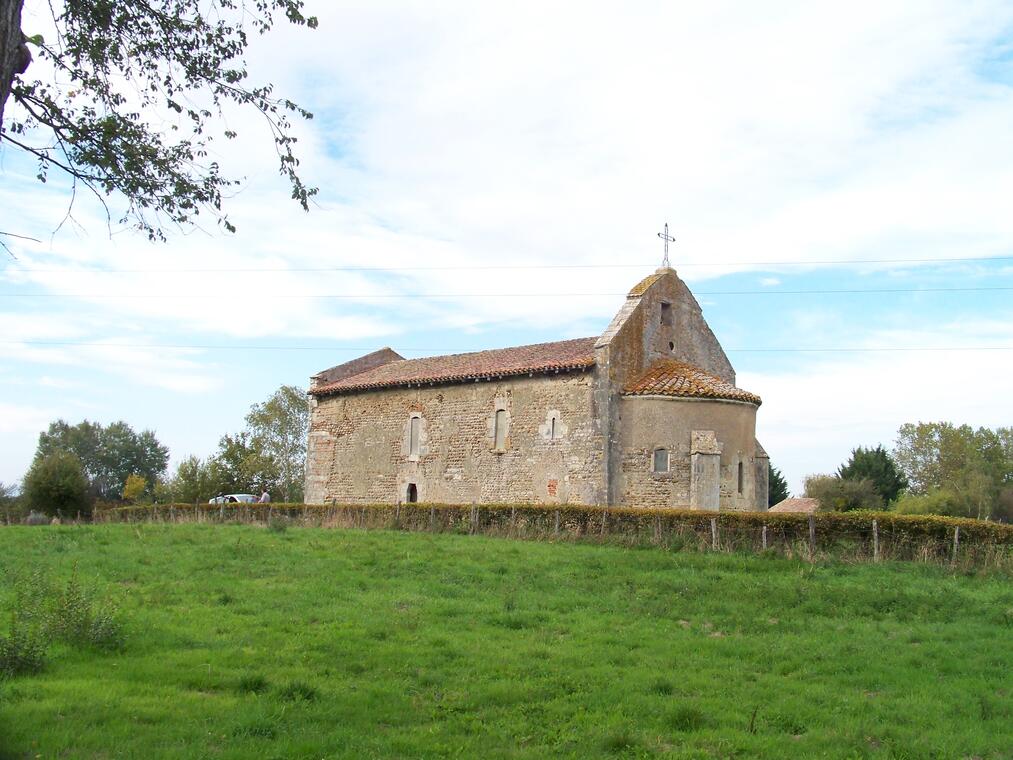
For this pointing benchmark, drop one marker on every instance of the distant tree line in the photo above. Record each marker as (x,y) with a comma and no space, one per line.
(934,468)
(78,466)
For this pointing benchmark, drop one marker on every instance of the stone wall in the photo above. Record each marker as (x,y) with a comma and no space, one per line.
(708,436)
(360,447)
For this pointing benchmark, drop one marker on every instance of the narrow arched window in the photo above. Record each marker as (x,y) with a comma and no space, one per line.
(661,460)
(414,436)
(740,477)
(552,429)
(500,431)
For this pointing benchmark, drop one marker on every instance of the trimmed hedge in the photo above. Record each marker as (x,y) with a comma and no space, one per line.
(589,520)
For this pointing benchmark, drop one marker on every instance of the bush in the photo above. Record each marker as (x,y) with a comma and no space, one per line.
(78,618)
(42,614)
(937,502)
(56,483)
(23,650)
(837,494)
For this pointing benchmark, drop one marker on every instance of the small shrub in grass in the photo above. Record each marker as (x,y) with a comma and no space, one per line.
(78,618)
(23,649)
(296,691)
(22,652)
(686,718)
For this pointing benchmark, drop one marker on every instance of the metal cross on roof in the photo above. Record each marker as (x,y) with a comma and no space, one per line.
(668,239)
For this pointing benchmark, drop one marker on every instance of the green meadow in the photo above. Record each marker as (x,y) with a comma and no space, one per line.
(243,642)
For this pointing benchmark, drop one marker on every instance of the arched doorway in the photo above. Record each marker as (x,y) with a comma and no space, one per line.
(413,494)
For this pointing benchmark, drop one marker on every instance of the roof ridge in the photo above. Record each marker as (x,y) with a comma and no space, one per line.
(558,356)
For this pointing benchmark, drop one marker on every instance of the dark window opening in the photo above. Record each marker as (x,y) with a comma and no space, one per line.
(740,477)
(552,431)
(671,346)
(666,313)
(413,493)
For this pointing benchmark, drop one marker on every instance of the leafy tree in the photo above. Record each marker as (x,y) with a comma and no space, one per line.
(134,488)
(240,466)
(195,480)
(839,495)
(972,468)
(875,465)
(278,429)
(10,503)
(108,454)
(56,482)
(777,486)
(134,92)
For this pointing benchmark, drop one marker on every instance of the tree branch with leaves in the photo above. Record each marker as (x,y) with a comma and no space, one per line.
(137,98)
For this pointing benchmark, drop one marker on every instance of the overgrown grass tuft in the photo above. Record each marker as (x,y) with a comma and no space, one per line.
(252,684)
(686,718)
(297,691)
(619,741)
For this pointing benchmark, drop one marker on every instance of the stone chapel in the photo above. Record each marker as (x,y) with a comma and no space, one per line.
(645,415)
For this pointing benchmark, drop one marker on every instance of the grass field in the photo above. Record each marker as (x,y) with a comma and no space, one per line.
(308,643)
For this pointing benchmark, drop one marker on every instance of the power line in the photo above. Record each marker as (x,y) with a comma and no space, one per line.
(486,267)
(361,296)
(234,347)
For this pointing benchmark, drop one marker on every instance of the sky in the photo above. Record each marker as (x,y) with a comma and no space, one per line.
(495,174)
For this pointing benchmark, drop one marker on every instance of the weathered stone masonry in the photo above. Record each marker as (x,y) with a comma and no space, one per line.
(580,421)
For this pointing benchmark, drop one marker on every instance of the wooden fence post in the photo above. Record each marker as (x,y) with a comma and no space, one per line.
(812,536)
(604,514)
(714,533)
(557,523)
(956,542)
(764,538)
(875,541)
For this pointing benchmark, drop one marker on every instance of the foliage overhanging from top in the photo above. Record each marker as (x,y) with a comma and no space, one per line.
(123,68)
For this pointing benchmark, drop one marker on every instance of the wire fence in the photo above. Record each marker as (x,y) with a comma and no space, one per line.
(857,537)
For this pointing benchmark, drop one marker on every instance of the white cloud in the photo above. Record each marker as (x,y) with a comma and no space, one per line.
(17,418)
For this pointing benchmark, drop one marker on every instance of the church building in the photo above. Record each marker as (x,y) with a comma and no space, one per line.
(647,414)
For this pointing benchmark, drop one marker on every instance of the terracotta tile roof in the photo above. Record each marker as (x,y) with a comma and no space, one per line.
(796,505)
(674,378)
(456,368)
